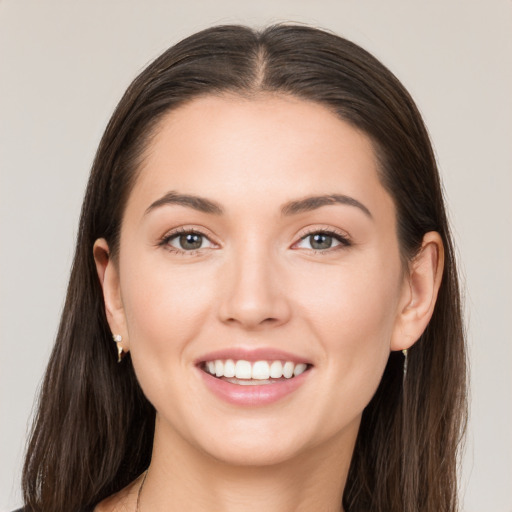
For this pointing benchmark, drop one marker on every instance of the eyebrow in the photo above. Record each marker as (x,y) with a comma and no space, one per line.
(291,208)
(313,202)
(197,203)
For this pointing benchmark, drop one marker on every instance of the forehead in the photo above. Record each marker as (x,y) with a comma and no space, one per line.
(271,147)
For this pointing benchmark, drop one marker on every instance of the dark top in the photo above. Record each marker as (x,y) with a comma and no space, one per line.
(88,509)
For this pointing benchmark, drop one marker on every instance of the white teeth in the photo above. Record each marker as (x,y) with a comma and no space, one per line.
(300,368)
(229,368)
(243,369)
(259,370)
(276,370)
(288,369)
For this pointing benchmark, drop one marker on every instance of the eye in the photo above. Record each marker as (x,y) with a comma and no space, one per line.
(322,241)
(187,241)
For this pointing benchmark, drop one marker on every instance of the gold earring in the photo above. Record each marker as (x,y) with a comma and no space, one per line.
(120,353)
(404,352)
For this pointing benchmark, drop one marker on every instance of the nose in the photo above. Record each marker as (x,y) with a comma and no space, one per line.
(254,293)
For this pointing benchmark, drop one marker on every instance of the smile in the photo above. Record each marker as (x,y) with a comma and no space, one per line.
(253,377)
(254,373)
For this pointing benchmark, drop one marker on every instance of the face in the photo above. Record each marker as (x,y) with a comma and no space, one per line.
(258,230)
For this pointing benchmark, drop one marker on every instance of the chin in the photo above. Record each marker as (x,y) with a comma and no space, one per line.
(250,442)
(254,454)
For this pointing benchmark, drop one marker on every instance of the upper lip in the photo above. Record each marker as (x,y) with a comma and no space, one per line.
(252,355)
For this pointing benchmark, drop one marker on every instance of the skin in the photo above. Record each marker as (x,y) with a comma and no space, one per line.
(257,282)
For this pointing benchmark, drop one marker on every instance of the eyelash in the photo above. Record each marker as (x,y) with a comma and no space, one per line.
(341,237)
(164,242)
(337,235)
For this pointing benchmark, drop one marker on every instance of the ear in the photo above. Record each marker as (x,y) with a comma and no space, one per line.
(108,275)
(419,294)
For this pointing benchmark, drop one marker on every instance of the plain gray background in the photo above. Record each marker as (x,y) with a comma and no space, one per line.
(65,64)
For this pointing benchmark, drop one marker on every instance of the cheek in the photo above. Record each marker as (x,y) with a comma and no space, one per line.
(352,311)
(352,316)
(346,302)
(165,308)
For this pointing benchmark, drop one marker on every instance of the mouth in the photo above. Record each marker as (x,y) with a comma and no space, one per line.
(252,377)
(254,373)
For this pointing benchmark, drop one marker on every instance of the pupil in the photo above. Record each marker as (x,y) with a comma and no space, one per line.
(320,241)
(191,241)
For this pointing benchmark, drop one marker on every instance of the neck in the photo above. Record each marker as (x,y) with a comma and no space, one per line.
(182,477)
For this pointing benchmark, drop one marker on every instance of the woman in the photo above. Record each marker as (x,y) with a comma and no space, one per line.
(263,310)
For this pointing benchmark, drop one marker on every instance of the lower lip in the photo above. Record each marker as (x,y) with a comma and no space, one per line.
(252,395)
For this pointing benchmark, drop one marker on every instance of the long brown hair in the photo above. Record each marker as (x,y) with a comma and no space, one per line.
(93,430)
